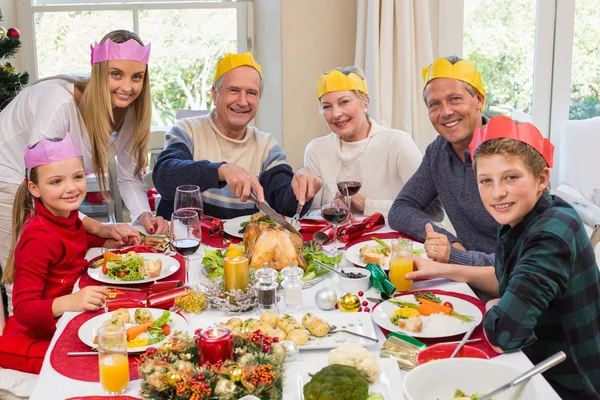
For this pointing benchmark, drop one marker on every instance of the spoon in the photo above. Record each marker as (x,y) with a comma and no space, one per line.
(538,368)
(331,269)
(464,340)
(335,329)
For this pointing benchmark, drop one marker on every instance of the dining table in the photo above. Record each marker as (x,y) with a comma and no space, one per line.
(53,385)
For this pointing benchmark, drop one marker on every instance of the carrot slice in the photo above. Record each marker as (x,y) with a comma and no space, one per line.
(442,308)
(136,330)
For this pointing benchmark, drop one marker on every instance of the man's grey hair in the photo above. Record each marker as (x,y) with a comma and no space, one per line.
(219,83)
(470,88)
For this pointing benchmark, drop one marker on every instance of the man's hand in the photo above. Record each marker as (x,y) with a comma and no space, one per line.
(357,202)
(154,225)
(305,185)
(426,269)
(437,245)
(240,182)
(117,235)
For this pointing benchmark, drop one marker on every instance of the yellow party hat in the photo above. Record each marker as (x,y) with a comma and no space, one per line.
(461,70)
(335,81)
(232,60)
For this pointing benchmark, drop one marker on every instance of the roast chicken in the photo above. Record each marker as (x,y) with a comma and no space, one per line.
(275,245)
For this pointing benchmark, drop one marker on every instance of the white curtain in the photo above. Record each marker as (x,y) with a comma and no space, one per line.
(393,43)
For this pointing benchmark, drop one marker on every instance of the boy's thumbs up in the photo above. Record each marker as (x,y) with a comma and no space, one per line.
(429,229)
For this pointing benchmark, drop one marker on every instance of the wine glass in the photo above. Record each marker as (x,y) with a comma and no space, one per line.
(186,234)
(349,179)
(189,197)
(333,209)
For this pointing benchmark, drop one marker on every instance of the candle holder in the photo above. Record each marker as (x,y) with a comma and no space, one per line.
(214,344)
(236,272)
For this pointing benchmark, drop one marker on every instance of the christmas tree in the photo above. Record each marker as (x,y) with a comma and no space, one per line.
(11,82)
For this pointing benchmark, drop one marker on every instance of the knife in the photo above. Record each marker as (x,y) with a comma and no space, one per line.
(268,211)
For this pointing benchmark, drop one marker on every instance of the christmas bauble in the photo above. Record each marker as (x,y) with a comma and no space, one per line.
(326,298)
(349,302)
(14,33)
(237,374)
(291,350)
(2,33)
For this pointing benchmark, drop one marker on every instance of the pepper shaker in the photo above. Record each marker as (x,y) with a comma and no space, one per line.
(266,285)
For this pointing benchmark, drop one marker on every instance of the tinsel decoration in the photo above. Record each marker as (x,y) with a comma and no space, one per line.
(193,302)
(234,300)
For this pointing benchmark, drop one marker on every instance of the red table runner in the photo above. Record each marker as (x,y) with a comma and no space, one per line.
(81,368)
(366,237)
(478,333)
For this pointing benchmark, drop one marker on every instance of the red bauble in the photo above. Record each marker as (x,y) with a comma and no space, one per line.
(14,33)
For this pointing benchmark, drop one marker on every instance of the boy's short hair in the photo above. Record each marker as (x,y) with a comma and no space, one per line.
(507,147)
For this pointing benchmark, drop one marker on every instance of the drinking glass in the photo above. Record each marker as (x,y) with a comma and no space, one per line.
(401,263)
(349,179)
(113,362)
(333,209)
(189,197)
(186,234)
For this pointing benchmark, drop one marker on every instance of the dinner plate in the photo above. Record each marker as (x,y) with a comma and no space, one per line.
(389,384)
(232,227)
(169,266)
(355,322)
(352,254)
(89,329)
(454,326)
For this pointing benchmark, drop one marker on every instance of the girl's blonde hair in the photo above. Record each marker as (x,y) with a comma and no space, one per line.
(96,111)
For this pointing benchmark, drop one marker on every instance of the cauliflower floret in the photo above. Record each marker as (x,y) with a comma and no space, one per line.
(355,355)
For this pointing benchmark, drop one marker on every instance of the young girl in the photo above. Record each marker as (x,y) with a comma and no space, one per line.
(107,113)
(49,255)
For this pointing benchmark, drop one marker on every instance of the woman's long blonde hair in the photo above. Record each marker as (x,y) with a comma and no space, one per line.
(96,110)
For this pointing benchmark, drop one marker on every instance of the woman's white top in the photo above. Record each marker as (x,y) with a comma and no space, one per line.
(48,109)
(388,158)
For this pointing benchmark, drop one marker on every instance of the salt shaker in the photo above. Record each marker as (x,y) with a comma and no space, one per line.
(292,288)
(266,285)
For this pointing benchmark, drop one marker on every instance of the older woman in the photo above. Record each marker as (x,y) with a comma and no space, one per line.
(388,157)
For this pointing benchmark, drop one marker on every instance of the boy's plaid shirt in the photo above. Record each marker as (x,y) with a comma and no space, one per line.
(550,296)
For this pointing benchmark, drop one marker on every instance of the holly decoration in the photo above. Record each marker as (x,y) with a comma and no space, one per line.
(11,81)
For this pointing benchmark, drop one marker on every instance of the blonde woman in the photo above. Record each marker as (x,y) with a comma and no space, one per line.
(388,157)
(107,113)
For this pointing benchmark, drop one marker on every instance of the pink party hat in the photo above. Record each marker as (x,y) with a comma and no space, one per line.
(130,50)
(47,151)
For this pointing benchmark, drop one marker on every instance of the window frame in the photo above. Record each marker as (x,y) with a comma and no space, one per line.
(26,11)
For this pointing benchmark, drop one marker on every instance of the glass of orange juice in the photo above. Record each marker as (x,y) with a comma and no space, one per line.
(112,358)
(401,263)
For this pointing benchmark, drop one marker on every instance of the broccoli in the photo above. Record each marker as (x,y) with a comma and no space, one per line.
(337,382)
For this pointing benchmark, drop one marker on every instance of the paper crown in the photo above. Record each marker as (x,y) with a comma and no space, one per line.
(336,81)
(504,127)
(232,60)
(47,151)
(461,70)
(130,50)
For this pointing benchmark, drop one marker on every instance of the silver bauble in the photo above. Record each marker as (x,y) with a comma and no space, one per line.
(291,350)
(326,299)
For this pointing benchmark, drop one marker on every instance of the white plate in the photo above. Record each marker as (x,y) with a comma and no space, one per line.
(383,312)
(232,227)
(358,322)
(297,373)
(352,254)
(89,329)
(169,267)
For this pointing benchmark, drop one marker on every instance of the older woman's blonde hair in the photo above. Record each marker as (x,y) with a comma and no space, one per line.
(97,114)
(351,69)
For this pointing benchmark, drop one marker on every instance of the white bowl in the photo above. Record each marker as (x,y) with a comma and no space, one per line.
(354,285)
(439,379)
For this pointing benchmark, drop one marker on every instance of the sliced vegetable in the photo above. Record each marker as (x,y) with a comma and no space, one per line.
(385,248)
(134,331)
(448,304)
(166,330)
(431,305)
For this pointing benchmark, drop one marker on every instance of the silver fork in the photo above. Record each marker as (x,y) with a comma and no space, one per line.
(335,329)
(296,216)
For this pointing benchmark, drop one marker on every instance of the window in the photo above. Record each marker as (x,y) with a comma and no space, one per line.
(187,40)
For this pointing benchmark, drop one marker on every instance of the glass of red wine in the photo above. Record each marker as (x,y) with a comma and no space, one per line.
(186,234)
(189,197)
(333,209)
(349,179)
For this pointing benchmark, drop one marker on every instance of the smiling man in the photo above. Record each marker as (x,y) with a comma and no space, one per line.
(454,96)
(226,157)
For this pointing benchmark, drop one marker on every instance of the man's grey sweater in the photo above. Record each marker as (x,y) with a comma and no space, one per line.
(442,174)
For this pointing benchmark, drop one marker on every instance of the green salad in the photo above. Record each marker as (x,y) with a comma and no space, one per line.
(126,268)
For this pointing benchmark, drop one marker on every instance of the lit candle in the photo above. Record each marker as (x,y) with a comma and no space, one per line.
(215,344)
(236,273)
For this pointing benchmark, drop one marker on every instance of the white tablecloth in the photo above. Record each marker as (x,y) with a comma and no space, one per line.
(52,385)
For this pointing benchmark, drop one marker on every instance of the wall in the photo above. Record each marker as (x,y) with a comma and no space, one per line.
(9,20)
(316,35)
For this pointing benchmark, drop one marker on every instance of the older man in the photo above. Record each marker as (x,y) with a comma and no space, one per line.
(227,158)
(454,96)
